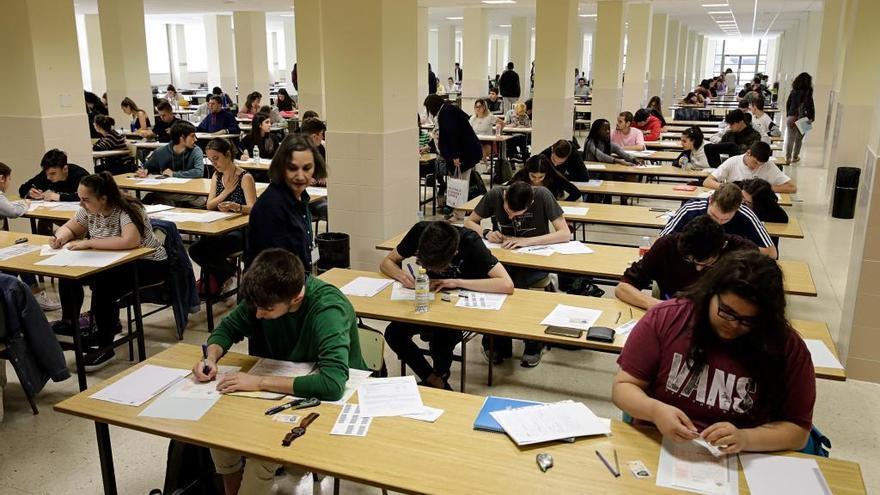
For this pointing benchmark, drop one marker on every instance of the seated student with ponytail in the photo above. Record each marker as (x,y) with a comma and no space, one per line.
(538,171)
(108,220)
(722,363)
(261,136)
(111,140)
(232,190)
(694,156)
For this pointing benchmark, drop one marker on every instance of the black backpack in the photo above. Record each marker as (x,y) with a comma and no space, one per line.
(190,471)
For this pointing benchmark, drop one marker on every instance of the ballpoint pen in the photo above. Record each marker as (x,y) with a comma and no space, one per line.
(205,368)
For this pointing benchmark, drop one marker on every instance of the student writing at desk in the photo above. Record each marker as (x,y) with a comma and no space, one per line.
(179,158)
(109,220)
(162,130)
(58,181)
(722,363)
(538,171)
(647,122)
(755,163)
(300,320)
(140,121)
(735,141)
(111,141)
(520,215)
(454,258)
(676,260)
(219,121)
(232,190)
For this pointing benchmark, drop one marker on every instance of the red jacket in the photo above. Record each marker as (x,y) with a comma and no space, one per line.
(653,126)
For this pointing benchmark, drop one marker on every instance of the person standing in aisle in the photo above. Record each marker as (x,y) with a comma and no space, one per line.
(509,86)
(798,106)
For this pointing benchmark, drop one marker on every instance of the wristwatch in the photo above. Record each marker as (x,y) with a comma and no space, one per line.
(300,430)
(486,233)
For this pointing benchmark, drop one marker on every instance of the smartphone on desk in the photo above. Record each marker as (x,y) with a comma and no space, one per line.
(574,333)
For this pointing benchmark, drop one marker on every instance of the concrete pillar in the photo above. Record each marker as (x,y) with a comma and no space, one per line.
(824,92)
(177,58)
(251,54)
(553,109)
(221,52)
(445,52)
(657,60)
(608,59)
(672,39)
(635,84)
(699,58)
(520,45)
(289,47)
(373,183)
(680,84)
(578,51)
(96,55)
(124,44)
(422,50)
(475,51)
(42,97)
(689,57)
(310,55)
(813,42)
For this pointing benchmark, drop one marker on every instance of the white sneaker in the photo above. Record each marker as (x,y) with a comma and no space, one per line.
(46,302)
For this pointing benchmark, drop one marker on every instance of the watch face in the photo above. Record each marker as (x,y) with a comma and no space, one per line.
(298,431)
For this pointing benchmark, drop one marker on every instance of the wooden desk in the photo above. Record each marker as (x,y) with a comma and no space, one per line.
(517,130)
(218,227)
(26,264)
(208,135)
(663,156)
(196,187)
(676,145)
(819,330)
(610,263)
(416,457)
(662,171)
(98,155)
(657,191)
(699,123)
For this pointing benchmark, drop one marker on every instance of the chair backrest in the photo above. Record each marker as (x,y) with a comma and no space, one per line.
(372,347)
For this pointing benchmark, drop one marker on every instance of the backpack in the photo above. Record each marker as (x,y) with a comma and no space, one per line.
(190,471)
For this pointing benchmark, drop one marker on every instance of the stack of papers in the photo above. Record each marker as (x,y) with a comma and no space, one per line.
(572,317)
(595,166)
(401,293)
(480,300)
(689,466)
(547,422)
(140,385)
(316,191)
(187,399)
(91,258)
(773,474)
(17,250)
(157,208)
(365,286)
(393,396)
(275,367)
(545,250)
(822,355)
(181,216)
(156,181)
(641,154)
(486,422)
(575,210)
(55,205)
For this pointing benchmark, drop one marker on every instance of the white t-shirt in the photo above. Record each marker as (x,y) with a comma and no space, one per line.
(482,125)
(762,125)
(734,169)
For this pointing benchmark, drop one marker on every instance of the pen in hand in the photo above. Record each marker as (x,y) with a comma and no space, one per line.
(205,369)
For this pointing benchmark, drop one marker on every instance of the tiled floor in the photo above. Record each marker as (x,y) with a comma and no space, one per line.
(54,453)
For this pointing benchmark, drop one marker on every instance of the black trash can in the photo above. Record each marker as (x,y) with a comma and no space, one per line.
(846,187)
(333,249)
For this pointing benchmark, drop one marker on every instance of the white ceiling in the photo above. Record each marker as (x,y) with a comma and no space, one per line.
(770,16)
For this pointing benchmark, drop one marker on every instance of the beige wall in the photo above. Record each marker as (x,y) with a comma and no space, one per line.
(310,55)
(251,55)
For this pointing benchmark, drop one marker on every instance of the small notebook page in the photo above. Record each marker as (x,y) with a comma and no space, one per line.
(572,317)
(822,355)
(141,385)
(365,286)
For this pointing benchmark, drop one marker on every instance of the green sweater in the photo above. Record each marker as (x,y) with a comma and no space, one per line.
(323,330)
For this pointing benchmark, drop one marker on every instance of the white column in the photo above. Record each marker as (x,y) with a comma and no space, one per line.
(813,42)
(607,59)
(220,52)
(553,113)
(672,39)
(680,84)
(289,47)
(578,50)
(689,62)
(830,45)
(310,55)
(699,58)
(251,54)
(177,50)
(475,48)
(124,44)
(445,52)
(96,54)
(637,56)
(422,49)
(657,60)
(520,46)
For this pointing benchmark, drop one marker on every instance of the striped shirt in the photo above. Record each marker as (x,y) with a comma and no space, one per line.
(111,141)
(744,223)
(102,227)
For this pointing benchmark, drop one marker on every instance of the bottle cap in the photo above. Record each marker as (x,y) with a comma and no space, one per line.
(421,270)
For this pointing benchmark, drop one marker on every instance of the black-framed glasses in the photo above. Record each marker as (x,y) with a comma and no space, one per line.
(725,312)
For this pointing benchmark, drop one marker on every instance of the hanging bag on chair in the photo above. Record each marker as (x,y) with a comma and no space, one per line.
(457,189)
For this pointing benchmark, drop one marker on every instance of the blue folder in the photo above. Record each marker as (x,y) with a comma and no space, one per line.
(486,422)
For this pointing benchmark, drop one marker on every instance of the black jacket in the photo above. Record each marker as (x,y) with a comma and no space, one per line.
(66,188)
(742,139)
(432,83)
(278,220)
(800,104)
(457,138)
(161,130)
(509,84)
(573,169)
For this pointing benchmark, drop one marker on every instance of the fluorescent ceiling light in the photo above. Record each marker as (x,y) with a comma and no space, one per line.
(717,12)
(715,5)
(286,15)
(504,25)
(457,18)
(587,15)
(498,2)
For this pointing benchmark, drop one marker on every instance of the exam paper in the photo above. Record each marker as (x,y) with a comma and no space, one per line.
(401,293)
(54,205)
(365,286)
(191,388)
(47,250)
(173,180)
(182,216)
(85,257)
(17,250)
(589,183)
(140,385)
(547,422)
(571,247)
(641,154)
(480,300)
(572,317)
(277,367)
(351,422)
(575,210)
(822,355)
(429,415)
(186,400)
(690,467)
(392,396)
(545,250)
(67,206)
(774,474)
(492,245)
(595,166)
(355,378)
(626,328)
(157,208)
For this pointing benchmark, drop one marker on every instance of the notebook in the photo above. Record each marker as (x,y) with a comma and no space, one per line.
(486,422)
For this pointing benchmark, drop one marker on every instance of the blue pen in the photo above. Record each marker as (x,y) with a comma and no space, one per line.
(411,272)
(205,369)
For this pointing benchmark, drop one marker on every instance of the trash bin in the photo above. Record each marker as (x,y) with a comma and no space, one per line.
(333,251)
(846,187)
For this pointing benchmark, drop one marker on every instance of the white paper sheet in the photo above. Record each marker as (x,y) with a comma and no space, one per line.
(804,126)
(626,328)
(595,166)
(547,422)
(429,415)
(316,191)
(365,286)
(641,154)
(589,183)
(141,385)
(715,451)
(480,300)
(351,422)
(276,367)
(355,378)
(689,467)
(775,474)
(54,205)
(821,355)
(86,257)
(186,406)
(492,245)
(147,181)
(157,208)
(67,206)
(182,216)
(390,396)
(401,293)
(174,180)
(572,317)
(47,250)
(545,250)
(17,250)
(571,247)
(575,210)
(190,388)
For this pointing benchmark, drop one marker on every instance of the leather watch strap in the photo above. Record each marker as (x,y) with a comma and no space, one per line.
(308,420)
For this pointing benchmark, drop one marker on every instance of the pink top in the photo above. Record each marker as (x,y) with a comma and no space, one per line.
(634,138)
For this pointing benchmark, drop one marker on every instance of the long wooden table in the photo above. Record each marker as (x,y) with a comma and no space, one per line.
(218,227)
(641,216)
(656,191)
(610,263)
(400,454)
(196,187)
(676,145)
(648,171)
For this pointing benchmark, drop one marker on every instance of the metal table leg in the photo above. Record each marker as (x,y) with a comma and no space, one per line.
(105,453)
(138,317)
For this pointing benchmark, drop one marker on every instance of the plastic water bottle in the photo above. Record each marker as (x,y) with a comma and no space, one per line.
(644,246)
(256,154)
(423,289)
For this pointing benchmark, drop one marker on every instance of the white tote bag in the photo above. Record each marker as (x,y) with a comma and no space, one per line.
(457,189)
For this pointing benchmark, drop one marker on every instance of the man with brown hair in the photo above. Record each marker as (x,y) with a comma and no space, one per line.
(725,207)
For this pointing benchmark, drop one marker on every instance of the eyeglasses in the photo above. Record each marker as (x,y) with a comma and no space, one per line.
(726,313)
(702,264)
